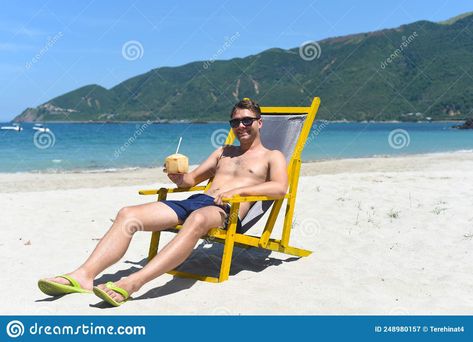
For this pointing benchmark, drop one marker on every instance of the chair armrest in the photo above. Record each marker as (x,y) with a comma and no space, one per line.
(239,199)
(170,190)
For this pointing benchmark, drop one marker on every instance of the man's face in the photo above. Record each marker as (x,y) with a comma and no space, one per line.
(246,133)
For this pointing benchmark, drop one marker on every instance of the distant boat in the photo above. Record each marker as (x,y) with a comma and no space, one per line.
(41,128)
(14,127)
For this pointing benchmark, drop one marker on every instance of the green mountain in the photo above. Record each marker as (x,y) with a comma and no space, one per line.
(417,71)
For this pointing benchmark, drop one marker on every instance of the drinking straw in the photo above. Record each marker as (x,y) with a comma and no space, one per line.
(178,145)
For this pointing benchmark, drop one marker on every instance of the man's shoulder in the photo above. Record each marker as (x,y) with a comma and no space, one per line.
(276,157)
(275,153)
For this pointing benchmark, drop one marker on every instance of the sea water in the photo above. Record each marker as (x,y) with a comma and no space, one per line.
(97,147)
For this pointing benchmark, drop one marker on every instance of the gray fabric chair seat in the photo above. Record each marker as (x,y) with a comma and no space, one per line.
(279,132)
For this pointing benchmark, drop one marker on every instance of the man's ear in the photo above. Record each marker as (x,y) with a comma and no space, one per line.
(260,123)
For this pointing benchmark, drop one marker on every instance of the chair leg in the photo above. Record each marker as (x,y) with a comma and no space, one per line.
(268,229)
(153,246)
(286,233)
(226,259)
(229,243)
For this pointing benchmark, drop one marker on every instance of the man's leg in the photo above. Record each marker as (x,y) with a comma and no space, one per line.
(175,252)
(111,248)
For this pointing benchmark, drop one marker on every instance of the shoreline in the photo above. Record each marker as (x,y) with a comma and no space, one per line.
(115,170)
(40,181)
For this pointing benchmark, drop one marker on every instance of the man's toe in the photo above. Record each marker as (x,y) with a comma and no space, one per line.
(60,280)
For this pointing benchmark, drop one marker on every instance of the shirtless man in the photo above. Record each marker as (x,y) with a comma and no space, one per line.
(245,170)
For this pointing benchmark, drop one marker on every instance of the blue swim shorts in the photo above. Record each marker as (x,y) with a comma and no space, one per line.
(184,208)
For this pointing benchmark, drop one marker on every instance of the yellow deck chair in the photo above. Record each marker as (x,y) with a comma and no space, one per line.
(285,129)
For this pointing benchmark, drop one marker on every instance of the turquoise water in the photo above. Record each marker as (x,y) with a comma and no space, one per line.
(89,147)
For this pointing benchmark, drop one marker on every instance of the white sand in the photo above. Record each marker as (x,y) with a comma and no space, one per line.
(389,235)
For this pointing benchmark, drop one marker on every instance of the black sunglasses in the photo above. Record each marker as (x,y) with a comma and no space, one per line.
(246,121)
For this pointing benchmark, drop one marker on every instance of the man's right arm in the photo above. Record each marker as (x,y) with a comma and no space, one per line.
(203,172)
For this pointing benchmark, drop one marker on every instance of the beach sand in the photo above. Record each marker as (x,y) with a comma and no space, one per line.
(389,236)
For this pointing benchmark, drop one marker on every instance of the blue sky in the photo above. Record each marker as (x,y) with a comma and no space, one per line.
(50,47)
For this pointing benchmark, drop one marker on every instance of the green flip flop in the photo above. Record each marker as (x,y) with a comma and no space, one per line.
(106,297)
(52,288)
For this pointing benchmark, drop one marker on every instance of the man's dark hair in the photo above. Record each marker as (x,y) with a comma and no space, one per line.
(249,104)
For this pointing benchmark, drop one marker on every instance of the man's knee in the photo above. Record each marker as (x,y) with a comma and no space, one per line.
(196,223)
(125,213)
(128,220)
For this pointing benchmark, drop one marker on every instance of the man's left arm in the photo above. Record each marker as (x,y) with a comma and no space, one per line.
(276,186)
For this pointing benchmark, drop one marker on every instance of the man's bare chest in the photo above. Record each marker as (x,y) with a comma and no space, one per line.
(254,167)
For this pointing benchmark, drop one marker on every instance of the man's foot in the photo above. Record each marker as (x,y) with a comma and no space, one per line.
(65,284)
(83,281)
(115,293)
